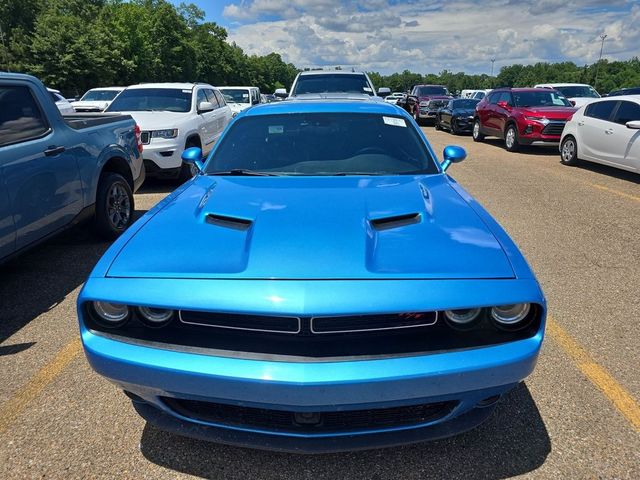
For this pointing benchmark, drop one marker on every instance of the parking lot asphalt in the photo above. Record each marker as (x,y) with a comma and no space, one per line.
(576,416)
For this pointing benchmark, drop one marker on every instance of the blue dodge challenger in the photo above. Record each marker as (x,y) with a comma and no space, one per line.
(320,285)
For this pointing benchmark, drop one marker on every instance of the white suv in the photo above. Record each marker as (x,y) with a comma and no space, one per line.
(341,82)
(241,98)
(578,94)
(173,117)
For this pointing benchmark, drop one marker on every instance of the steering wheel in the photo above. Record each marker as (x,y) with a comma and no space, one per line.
(366,150)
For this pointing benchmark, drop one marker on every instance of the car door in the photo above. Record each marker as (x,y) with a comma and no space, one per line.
(488,115)
(594,131)
(7,228)
(208,125)
(227,114)
(625,142)
(501,114)
(445,114)
(42,179)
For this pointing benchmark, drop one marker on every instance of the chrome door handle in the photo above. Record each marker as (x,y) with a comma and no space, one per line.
(609,131)
(580,124)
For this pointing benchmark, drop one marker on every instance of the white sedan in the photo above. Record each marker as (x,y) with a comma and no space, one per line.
(394,97)
(604,131)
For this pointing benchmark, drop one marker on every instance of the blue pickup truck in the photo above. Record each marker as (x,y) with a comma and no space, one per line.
(56,171)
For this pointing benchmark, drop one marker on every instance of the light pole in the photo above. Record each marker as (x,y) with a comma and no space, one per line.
(602,37)
(493,60)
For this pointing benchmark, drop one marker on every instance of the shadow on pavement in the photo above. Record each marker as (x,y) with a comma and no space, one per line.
(609,171)
(512,442)
(40,279)
(155,185)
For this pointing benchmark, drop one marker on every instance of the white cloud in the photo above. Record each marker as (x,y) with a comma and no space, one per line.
(428,36)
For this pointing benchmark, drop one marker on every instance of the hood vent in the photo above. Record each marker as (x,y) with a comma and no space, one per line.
(396,221)
(234,223)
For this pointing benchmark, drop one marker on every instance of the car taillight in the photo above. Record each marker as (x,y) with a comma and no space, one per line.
(138,138)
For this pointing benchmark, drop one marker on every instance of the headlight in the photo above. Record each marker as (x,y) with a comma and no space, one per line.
(111,314)
(234,114)
(510,315)
(170,133)
(155,317)
(541,120)
(462,317)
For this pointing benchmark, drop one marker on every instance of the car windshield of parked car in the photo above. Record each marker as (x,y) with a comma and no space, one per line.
(578,91)
(466,104)
(426,91)
(236,95)
(332,83)
(322,144)
(152,99)
(543,98)
(99,96)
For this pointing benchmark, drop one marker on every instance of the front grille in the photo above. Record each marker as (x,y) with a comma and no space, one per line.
(255,323)
(310,422)
(145,137)
(437,104)
(554,128)
(364,323)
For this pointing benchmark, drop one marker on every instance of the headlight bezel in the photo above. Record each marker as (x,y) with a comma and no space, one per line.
(101,314)
(517,322)
(154,319)
(165,134)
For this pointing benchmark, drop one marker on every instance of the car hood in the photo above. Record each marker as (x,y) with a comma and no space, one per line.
(315,228)
(552,113)
(158,120)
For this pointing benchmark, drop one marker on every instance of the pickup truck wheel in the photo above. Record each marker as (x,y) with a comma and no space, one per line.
(511,139)
(114,205)
(569,151)
(477,135)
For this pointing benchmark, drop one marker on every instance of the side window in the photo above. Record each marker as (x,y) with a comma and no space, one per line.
(600,110)
(20,116)
(212,98)
(201,97)
(505,97)
(628,112)
(493,98)
(256,97)
(220,98)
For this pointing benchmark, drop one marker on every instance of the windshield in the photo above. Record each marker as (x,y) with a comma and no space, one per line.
(236,95)
(543,98)
(322,144)
(99,96)
(152,99)
(467,104)
(332,83)
(427,91)
(578,91)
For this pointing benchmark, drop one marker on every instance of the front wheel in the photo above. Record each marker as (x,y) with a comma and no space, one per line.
(114,206)
(477,135)
(453,127)
(437,125)
(511,139)
(569,151)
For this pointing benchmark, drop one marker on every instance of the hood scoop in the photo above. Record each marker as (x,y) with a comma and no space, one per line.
(397,221)
(234,223)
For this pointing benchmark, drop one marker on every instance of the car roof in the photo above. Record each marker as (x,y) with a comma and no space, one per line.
(326,106)
(97,89)
(519,89)
(329,72)
(563,85)
(176,85)
(236,86)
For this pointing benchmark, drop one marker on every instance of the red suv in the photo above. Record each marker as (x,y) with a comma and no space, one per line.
(522,116)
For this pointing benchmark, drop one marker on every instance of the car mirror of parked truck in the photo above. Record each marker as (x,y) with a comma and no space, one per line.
(635,124)
(281,92)
(452,154)
(205,107)
(193,156)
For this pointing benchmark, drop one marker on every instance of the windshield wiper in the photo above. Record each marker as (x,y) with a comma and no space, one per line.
(239,172)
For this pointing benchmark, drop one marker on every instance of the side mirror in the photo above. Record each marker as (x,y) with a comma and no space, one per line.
(205,107)
(503,104)
(635,124)
(384,91)
(193,156)
(281,93)
(452,154)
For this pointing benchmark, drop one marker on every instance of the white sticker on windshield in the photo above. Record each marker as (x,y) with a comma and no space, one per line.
(276,129)
(245,95)
(367,89)
(186,91)
(396,122)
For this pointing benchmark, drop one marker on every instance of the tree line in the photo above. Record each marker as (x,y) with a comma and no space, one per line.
(605,76)
(74,45)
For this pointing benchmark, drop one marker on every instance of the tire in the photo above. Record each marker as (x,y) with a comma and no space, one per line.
(511,138)
(569,151)
(416,117)
(114,206)
(437,125)
(187,172)
(452,126)
(477,135)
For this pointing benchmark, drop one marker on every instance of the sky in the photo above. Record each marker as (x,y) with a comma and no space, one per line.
(427,36)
